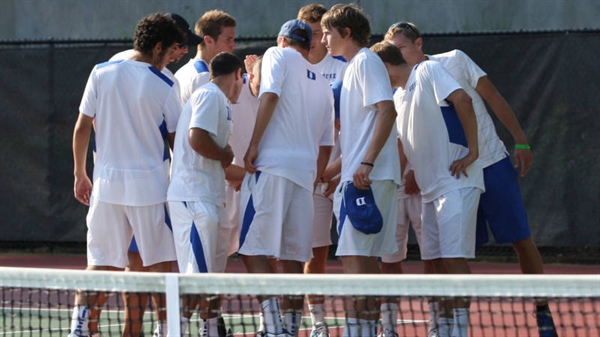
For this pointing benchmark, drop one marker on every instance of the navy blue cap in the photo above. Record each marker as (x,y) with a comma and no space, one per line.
(362,210)
(289,27)
(192,39)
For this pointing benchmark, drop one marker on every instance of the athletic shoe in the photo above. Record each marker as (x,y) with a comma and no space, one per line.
(76,334)
(267,334)
(320,331)
(433,333)
(388,333)
(545,324)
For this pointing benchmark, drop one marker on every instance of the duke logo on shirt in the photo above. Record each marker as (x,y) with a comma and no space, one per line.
(311,75)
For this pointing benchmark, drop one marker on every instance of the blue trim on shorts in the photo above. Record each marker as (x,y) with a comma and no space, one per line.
(133,246)
(249,213)
(342,215)
(198,249)
(501,206)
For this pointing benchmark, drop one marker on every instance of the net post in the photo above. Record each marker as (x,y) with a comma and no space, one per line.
(173,312)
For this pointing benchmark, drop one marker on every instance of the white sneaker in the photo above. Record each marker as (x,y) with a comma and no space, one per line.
(320,331)
(433,333)
(388,333)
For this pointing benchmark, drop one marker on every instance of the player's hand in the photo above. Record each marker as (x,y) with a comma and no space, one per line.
(361,178)
(460,166)
(331,186)
(83,189)
(523,158)
(249,62)
(235,184)
(226,156)
(410,183)
(250,157)
(328,174)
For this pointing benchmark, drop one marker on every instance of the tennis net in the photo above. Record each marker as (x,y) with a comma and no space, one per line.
(39,302)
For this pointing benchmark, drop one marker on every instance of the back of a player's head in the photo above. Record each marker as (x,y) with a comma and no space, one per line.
(156,28)
(388,53)
(408,29)
(212,23)
(342,16)
(312,13)
(224,64)
(296,33)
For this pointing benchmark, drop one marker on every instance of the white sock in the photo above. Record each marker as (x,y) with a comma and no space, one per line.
(317,315)
(80,320)
(292,322)
(444,326)
(161,329)
(209,327)
(184,325)
(461,322)
(389,316)
(352,328)
(272,317)
(434,314)
(368,328)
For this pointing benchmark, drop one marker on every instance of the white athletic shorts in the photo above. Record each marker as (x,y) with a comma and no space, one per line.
(275,218)
(111,227)
(352,242)
(202,236)
(449,224)
(409,214)
(322,219)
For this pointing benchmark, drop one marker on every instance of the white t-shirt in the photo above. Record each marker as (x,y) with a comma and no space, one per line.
(194,177)
(244,117)
(192,76)
(332,68)
(302,120)
(135,106)
(366,82)
(467,73)
(431,133)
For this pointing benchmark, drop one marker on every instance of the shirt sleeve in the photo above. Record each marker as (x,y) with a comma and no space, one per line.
(377,86)
(205,112)
(272,71)
(173,109)
(328,136)
(89,100)
(443,83)
(471,70)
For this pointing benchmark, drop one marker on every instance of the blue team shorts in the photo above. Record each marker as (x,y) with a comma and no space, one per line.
(501,206)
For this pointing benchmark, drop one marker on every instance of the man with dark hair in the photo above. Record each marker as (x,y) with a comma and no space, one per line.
(131,172)
(438,131)
(197,191)
(501,206)
(217,31)
(288,150)
(370,165)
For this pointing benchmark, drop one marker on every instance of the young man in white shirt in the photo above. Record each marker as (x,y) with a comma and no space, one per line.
(332,68)
(217,31)
(501,206)
(196,194)
(288,150)
(438,131)
(131,169)
(370,156)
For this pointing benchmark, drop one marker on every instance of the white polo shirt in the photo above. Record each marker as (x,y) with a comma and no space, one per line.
(431,133)
(366,82)
(135,106)
(302,120)
(194,177)
(192,76)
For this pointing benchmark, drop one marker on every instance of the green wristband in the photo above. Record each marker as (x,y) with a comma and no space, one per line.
(522,147)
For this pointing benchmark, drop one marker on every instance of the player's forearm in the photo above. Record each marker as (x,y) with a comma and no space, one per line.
(467,118)
(322,160)
(268,101)
(204,145)
(234,172)
(81,140)
(384,123)
(501,109)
